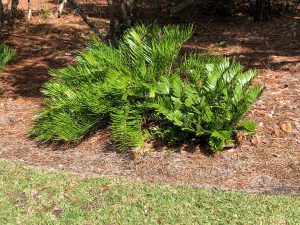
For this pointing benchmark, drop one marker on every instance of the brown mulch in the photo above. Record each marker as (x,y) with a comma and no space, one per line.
(270,162)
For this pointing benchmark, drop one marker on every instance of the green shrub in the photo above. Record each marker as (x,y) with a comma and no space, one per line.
(46,12)
(144,90)
(6,54)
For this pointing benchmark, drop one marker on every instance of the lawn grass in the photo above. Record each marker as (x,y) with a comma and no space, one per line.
(36,196)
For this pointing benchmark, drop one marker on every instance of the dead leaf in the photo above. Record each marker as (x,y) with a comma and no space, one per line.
(256,141)
(277,131)
(240,136)
(104,187)
(287,127)
(57,211)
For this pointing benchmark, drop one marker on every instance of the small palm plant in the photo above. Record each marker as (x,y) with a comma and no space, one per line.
(6,54)
(142,87)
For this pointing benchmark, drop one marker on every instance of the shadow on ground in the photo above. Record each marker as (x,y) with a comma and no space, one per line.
(270,45)
(40,47)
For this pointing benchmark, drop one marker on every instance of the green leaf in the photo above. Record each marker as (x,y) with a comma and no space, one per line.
(219,139)
(249,126)
(189,102)
(126,128)
(6,54)
(152,94)
(162,88)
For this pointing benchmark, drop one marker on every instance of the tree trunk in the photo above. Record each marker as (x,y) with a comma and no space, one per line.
(1,19)
(113,19)
(122,16)
(262,10)
(183,5)
(61,5)
(1,14)
(13,12)
(78,9)
(29,9)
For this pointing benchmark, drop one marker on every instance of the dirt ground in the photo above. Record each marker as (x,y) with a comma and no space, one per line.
(269,162)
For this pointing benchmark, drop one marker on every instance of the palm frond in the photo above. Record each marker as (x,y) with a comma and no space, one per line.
(249,126)
(126,128)
(6,54)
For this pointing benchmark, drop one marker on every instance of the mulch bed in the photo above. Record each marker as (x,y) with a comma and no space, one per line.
(269,162)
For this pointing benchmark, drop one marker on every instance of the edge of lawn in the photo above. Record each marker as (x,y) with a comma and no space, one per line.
(36,195)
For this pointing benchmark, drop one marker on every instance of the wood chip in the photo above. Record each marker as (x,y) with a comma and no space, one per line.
(286,127)
(277,132)
(256,141)
(240,136)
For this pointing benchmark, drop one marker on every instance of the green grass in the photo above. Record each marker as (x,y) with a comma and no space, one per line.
(35,196)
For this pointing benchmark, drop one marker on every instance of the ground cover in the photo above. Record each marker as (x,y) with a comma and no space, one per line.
(39,196)
(267,163)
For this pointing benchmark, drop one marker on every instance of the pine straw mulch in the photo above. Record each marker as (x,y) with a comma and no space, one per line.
(270,162)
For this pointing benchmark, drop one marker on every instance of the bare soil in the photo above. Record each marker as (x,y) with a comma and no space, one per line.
(269,162)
